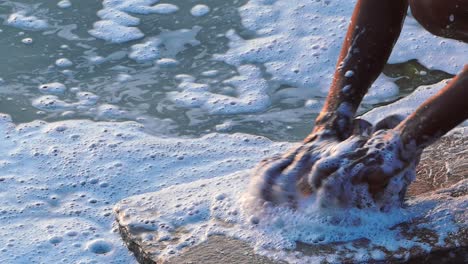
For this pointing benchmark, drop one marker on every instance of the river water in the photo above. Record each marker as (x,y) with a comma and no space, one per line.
(125,89)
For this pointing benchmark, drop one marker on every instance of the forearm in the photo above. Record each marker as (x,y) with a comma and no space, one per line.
(438,115)
(372,33)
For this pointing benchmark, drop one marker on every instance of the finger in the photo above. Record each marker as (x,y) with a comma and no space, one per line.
(375,178)
(291,176)
(321,170)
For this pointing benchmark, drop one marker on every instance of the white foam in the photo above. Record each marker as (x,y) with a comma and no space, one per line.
(118,17)
(27,41)
(132,6)
(382,89)
(167,62)
(22,21)
(64,4)
(407,105)
(59,182)
(252,94)
(199,10)
(119,26)
(63,63)
(113,32)
(165,9)
(85,101)
(108,112)
(53,88)
(167,44)
(431,51)
(215,207)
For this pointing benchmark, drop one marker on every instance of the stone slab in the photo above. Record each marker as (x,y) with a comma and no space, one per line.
(442,166)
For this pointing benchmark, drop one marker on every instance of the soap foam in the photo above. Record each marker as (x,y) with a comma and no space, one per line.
(59,181)
(64,4)
(22,21)
(219,207)
(251,87)
(113,32)
(200,10)
(166,44)
(119,26)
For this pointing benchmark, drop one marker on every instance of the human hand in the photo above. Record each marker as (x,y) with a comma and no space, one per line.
(323,159)
(376,174)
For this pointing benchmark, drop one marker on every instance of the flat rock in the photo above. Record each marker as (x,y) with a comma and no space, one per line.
(442,174)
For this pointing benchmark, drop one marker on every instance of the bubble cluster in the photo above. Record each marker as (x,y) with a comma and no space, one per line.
(59,182)
(200,10)
(25,22)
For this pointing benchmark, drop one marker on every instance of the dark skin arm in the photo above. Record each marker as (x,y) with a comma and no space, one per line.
(448,18)
(438,115)
(374,29)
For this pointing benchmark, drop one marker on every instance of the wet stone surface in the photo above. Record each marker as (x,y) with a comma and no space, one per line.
(442,175)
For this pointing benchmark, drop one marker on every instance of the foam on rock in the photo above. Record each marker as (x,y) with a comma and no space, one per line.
(203,209)
(59,181)
(432,221)
(407,105)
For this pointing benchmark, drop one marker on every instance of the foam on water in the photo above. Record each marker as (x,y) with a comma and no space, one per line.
(64,4)
(166,44)
(299,43)
(200,10)
(25,22)
(118,26)
(114,32)
(252,94)
(53,88)
(290,48)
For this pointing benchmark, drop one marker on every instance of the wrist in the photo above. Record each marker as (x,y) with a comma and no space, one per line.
(334,124)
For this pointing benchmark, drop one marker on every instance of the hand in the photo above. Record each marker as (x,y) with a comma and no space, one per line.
(376,174)
(285,178)
(306,169)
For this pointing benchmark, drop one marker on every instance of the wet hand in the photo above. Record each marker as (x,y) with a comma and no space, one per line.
(336,169)
(286,178)
(376,174)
